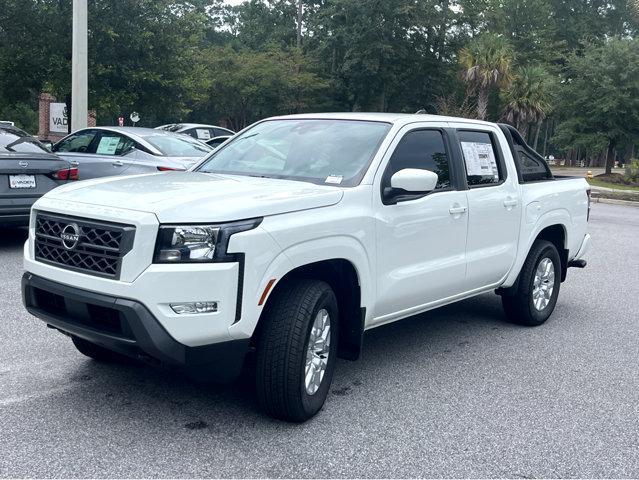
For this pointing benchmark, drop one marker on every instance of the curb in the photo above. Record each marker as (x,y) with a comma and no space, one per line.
(615,202)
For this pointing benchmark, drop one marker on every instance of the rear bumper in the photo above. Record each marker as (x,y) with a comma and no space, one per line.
(583,249)
(127,327)
(16,210)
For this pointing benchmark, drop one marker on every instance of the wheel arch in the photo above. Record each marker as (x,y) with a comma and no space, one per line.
(343,277)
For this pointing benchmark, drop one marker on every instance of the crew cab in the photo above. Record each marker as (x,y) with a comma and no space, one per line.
(296,236)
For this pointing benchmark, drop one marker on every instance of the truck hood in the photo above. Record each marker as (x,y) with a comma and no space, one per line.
(180,197)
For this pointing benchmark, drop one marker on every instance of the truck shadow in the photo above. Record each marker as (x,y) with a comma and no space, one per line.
(135,390)
(13,237)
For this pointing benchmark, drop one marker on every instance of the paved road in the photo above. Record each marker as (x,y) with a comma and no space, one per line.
(456,393)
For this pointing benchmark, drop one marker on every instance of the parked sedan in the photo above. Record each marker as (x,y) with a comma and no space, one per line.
(27,171)
(107,151)
(197,130)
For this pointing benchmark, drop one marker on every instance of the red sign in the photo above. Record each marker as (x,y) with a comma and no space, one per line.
(121,121)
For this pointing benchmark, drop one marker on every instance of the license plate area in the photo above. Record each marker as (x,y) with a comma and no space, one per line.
(22,181)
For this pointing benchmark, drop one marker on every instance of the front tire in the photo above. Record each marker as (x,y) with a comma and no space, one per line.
(297,350)
(535,297)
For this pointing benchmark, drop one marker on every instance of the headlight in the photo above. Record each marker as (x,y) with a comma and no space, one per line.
(197,243)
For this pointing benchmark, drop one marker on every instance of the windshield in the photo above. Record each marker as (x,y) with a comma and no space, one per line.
(178,146)
(326,151)
(15,140)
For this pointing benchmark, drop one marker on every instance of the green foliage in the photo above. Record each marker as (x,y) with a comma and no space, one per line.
(528,97)
(486,62)
(201,60)
(600,97)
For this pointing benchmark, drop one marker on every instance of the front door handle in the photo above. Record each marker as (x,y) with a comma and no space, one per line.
(118,163)
(457,209)
(510,202)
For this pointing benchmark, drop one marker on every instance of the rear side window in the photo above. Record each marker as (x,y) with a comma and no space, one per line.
(482,164)
(423,149)
(114,144)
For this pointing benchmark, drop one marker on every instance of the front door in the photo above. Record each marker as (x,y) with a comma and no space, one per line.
(421,242)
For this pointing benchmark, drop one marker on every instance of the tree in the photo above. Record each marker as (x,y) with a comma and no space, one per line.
(600,98)
(527,98)
(486,63)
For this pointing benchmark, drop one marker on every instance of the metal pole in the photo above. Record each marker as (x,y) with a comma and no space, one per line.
(79,87)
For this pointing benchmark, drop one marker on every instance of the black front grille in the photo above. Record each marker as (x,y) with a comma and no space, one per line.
(98,250)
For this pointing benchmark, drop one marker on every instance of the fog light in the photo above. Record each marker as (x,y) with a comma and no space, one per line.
(194,307)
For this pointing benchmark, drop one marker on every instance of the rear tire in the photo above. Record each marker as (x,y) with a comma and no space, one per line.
(97,352)
(537,288)
(296,352)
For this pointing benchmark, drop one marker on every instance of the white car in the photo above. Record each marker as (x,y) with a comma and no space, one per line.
(201,131)
(296,236)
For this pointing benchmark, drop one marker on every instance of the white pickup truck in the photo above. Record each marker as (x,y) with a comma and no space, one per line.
(294,237)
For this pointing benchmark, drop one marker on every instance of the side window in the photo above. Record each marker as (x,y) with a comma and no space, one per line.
(424,149)
(482,165)
(112,143)
(78,142)
(218,132)
(532,169)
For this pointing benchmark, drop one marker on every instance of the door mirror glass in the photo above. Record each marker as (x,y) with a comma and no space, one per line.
(414,180)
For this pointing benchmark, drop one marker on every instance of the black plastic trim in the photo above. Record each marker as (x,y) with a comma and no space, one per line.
(145,339)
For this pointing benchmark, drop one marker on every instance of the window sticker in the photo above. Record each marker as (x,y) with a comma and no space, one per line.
(203,133)
(480,159)
(336,179)
(108,145)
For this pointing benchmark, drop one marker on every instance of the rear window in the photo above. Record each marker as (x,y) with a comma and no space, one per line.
(178,145)
(14,140)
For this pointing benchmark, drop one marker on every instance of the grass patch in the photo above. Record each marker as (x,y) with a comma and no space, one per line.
(595,182)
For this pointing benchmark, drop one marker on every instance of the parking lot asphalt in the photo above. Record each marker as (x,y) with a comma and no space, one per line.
(455,392)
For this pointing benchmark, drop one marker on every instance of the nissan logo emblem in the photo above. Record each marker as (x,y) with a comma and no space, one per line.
(23,163)
(70,236)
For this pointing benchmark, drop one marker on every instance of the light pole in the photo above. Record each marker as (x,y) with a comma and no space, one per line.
(79,83)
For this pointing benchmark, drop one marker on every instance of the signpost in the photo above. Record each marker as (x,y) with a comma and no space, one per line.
(135,117)
(79,86)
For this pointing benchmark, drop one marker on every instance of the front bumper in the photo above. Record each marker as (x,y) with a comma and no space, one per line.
(127,327)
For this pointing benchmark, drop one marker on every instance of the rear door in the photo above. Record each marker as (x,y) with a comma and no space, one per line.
(494,207)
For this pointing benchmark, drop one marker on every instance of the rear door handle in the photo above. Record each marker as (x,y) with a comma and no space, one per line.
(118,163)
(510,202)
(457,209)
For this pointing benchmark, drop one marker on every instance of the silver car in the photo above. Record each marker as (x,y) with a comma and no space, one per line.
(107,151)
(197,130)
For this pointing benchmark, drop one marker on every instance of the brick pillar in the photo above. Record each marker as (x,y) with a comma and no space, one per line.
(91,119)
(44,100)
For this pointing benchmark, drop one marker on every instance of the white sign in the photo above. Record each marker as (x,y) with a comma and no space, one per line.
(203,133)
(58,118)
(135,117)
(480,159)
(108,145)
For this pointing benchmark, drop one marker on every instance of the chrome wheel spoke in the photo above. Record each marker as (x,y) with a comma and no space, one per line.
(543,283)
(318,349)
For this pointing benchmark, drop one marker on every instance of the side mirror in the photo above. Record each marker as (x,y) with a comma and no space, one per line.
(414,180)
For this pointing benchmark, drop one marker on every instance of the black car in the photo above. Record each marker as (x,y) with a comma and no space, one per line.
(27,171)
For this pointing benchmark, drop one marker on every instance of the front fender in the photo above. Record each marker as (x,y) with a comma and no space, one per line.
(298,255)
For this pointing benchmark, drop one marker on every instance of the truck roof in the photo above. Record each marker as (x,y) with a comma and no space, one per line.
(395,118)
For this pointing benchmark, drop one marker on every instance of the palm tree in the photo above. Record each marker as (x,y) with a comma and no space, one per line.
(486,62)
(527,98)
